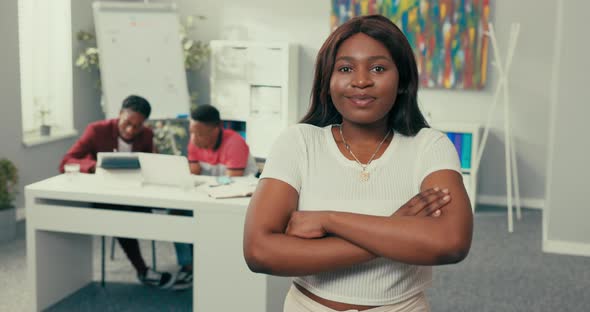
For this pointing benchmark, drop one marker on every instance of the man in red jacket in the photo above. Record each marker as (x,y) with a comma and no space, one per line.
(123,134)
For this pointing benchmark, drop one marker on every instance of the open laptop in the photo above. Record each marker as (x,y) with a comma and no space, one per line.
(161,169)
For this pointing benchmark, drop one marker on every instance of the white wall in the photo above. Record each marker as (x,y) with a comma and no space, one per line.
(566,227)
(306,22)
(529,92)
(39,162)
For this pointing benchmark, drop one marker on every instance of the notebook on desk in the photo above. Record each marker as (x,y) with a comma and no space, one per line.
(232,187)
(233,190)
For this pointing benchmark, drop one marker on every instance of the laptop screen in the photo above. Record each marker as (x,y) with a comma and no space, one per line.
(161,169)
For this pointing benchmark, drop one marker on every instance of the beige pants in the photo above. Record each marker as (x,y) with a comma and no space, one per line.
(296,301)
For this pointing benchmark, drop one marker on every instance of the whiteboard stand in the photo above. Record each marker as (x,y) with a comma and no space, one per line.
(509,147)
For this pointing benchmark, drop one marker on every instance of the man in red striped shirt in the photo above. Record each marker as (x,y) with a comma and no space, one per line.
(212,151)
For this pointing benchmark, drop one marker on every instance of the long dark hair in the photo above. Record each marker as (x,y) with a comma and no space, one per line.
(405,116)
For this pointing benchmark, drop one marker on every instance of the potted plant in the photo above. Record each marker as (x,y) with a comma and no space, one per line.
(43,115)
(8,190)
(45,129)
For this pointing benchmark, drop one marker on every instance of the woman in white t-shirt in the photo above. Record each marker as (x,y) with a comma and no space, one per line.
(360,200)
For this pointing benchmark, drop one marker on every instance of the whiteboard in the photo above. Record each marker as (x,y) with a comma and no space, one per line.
(141,54)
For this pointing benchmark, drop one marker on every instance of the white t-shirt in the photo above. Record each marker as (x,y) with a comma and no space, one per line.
(307,158)
(124,147)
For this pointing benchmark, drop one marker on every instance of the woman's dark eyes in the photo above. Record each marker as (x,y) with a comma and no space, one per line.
(347,69)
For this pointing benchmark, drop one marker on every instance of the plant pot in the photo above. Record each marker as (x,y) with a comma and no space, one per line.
(45,130)
(7,224)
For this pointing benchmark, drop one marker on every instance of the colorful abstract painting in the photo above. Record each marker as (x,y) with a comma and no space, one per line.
(448,36)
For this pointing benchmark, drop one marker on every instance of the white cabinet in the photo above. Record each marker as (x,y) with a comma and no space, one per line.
(255,83)
(466,138)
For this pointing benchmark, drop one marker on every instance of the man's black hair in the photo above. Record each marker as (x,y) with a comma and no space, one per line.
(207,114)
(137,104)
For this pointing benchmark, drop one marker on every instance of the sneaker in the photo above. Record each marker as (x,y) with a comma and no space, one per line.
(183,280)
(156,279)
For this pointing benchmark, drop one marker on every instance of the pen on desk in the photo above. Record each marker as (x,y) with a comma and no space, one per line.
(216,185)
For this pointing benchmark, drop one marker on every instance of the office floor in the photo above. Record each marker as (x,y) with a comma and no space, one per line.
(122,291)
(508,272)
(13,284)
(504,272)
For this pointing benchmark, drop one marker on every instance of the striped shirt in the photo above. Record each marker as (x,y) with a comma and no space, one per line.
(232,153)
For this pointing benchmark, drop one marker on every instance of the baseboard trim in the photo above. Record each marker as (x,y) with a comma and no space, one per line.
(535,203)
(566,248)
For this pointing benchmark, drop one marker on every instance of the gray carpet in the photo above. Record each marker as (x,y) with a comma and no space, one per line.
(13,267)
(509,272)
(504,272)
(122,291)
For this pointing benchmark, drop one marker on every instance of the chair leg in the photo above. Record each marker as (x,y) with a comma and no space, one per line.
(154,254)
(102,264)
(113,243)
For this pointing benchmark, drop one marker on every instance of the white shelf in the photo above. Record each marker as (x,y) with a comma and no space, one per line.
(256,83)
(460,127)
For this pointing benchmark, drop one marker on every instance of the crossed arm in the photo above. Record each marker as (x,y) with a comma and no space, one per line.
(279,240)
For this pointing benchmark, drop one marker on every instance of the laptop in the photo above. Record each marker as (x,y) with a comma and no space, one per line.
(169,170)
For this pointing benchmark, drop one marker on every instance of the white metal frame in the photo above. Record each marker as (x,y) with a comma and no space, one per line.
(503,69)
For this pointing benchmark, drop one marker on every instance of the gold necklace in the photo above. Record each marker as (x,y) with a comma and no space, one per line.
(364,176)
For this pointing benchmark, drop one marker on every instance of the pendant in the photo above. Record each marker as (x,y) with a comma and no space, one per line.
(364,176)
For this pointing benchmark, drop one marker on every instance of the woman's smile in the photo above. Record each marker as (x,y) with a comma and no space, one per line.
(361,100)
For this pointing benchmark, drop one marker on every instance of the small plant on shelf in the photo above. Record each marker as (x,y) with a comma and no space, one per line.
(42,117)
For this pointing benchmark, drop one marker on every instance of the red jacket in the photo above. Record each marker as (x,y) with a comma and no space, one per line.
(102,136)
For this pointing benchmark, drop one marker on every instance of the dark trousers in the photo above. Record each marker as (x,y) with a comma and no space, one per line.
(184,251)
(131,248)
(129,245)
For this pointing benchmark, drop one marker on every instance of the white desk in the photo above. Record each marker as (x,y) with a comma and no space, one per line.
(60,223)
